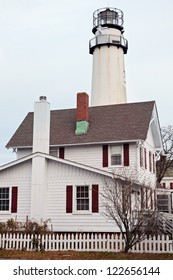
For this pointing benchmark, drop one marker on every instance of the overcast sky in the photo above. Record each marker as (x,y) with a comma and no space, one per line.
(44,51)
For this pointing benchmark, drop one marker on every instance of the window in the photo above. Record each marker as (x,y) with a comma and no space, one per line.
(163,203)
(152,164)
(4,199)
(82,198)
(116,155)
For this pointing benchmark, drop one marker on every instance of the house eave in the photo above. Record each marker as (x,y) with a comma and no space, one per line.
(83,144)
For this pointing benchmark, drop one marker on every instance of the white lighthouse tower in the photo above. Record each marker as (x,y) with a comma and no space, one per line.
(108,48)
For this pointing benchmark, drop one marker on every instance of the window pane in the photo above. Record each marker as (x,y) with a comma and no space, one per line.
(116,160)
(4,199)
(4,205)
(82,204)
(116,150)
(82,192)
(82,197)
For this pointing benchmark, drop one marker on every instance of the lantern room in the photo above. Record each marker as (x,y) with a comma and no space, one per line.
(108,17)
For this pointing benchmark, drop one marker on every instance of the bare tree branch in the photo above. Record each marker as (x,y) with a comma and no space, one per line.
(131,209)
(166,160)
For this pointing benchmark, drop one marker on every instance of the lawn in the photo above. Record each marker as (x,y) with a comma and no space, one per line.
(76,255)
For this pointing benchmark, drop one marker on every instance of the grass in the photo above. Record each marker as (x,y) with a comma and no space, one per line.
(76,255)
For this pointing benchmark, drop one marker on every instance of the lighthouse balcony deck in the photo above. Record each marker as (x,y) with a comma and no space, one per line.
(107,39)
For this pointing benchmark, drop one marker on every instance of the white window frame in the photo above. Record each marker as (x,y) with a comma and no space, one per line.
(9,210)
(75,211)
(110,155)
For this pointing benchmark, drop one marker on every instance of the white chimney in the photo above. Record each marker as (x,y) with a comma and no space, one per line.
(41,129)
(41,136)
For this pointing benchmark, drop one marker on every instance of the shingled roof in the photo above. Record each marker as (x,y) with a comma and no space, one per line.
(122,122)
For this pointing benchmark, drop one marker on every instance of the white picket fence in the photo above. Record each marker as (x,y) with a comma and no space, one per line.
(110,242)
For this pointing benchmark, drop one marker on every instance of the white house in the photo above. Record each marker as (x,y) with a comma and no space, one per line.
(165,192)
(167,181)
(61,172)
(63,157)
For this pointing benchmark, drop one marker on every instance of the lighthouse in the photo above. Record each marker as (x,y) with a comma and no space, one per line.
(108,48)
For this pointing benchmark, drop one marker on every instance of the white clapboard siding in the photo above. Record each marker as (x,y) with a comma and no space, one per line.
(146,175)
(56,200)
(86,154)
(22,152)
(150,140)
(20,176)
(105,242)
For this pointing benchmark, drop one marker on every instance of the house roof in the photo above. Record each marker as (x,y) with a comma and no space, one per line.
(112,123)
(169,172)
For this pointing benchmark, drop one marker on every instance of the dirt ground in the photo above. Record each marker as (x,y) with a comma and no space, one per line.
(75,255)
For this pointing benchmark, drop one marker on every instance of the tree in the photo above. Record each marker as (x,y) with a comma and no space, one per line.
(130,206)
(166,160)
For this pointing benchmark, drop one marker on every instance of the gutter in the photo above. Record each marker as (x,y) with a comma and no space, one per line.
(82,144)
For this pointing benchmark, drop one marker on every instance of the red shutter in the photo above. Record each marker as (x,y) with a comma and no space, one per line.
(171,186)
(146,198)
(142,199)
(150,166)
(105,155)
(95,198)
(61,152)
(164,185)
(145,156)
(154,164)
(69,199)
(126,154)
(141,158)
(14,194)
(151,199)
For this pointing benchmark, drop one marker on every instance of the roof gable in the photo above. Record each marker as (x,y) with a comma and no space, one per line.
(58,160)
(155,127)
(121,122)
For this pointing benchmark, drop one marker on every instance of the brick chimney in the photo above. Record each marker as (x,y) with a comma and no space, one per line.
(82,113)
